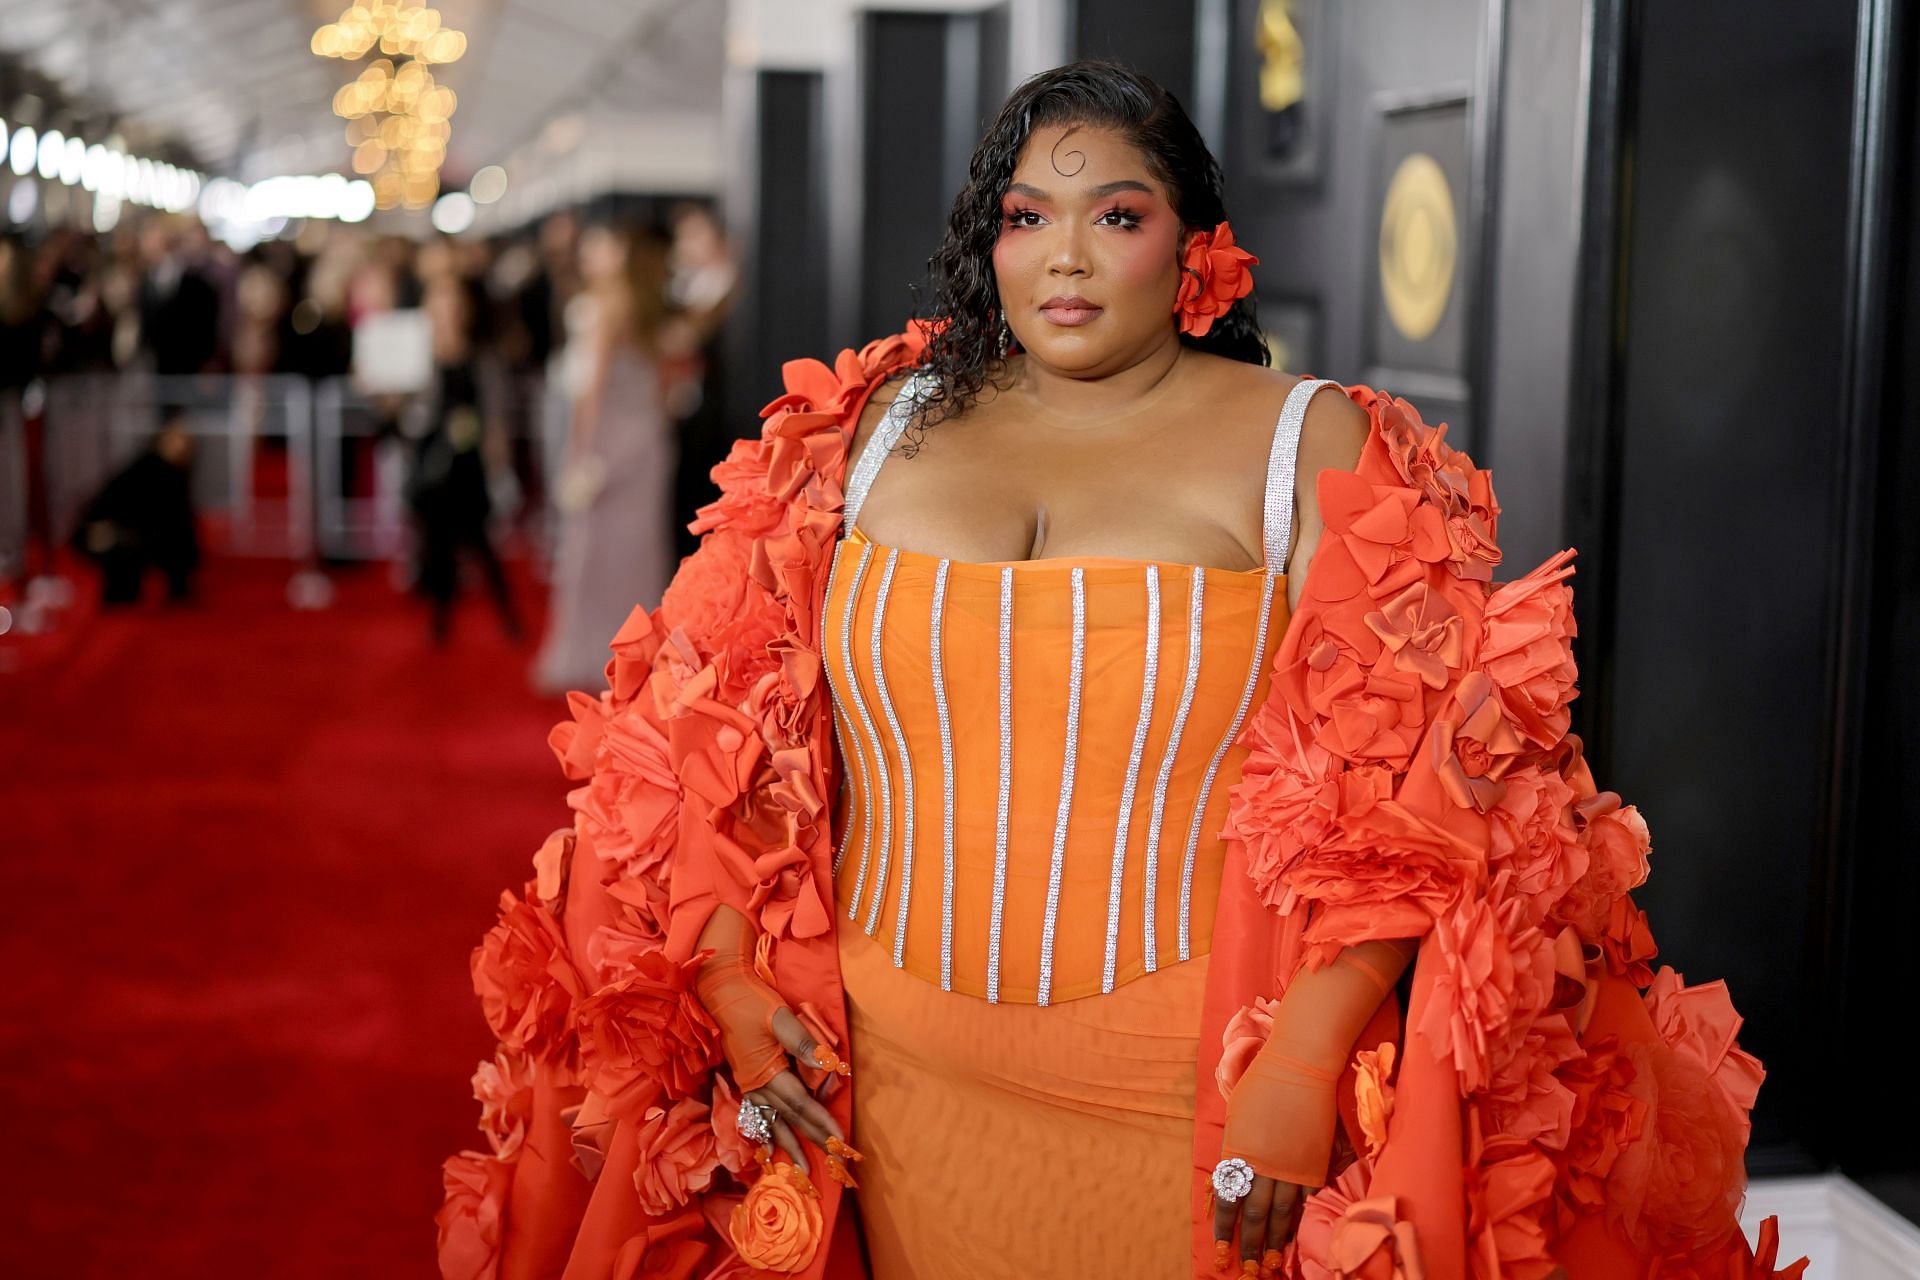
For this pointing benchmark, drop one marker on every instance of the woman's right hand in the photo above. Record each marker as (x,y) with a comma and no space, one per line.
(761,1038)
(796,1109)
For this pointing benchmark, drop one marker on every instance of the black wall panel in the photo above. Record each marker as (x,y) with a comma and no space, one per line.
(903,76)
(1729,422)
(785,311)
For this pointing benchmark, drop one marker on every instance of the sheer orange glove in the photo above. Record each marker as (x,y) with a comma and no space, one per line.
(1281,1115)
(738,1000)
(757,1033)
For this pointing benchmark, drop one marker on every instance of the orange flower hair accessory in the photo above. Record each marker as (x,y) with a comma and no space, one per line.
(777,1227)
(1213,276)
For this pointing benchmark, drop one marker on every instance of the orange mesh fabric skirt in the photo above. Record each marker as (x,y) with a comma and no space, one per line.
(1019,1139)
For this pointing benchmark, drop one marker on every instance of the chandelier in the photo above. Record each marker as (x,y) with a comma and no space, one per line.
(398,116)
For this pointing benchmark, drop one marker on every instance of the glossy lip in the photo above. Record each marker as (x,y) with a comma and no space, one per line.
(1069,309)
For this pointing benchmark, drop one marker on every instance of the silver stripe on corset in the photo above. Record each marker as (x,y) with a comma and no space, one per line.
(906,782)
(1213,765)
(935,647)
(872,738)
(1150,887)
(865,467)
(1277,505)
(840,713)
(1006,786)
(1127,789)
(1069,756)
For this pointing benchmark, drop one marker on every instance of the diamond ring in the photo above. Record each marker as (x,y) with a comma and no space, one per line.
(755,1121)
(1232,1179)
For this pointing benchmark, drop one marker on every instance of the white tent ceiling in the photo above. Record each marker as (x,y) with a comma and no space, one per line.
(235,80)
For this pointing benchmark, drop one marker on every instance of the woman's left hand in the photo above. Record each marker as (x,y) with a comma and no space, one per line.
(1265,1219)
(1282,1111)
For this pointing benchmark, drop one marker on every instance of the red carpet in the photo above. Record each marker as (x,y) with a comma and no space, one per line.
(248,850)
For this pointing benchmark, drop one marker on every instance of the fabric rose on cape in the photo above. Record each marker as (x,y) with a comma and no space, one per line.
(630,807)
(1380,871)
(1339,682)
(729,617)
(1532,836)
(1627,943)
(472,1215)
(614,950)
(1509,1194)
(1526,1100)
(504,1090)
(574,741)
(1284,803)
(1617,844)
(634,648)
(525,981)
(1606,1117)
(1472,745)
(677,1155)
(1700,1024)
(1526,649)
(1424,633)
(1678,1186)
(1373,1094)
(1459,520)
(1310,1249)
(646,1037)
(777,1227)
(743,505)
(1497,976)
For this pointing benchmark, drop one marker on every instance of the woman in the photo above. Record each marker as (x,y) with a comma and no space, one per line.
(447,484)
(1172,714)
(703,287)
(615,485)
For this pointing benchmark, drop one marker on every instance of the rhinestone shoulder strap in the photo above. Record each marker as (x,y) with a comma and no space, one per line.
(1285,452)
(879,445)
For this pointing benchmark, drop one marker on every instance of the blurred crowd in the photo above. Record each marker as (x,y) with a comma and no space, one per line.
(549,392)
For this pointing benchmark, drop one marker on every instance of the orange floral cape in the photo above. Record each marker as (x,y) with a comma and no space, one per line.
(1547,1098)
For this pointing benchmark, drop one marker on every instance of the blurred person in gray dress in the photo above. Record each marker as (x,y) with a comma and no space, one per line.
(614,488)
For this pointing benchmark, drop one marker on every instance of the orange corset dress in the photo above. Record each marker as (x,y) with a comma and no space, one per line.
(1036,756)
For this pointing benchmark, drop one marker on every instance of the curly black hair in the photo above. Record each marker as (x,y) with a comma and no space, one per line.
(964,353)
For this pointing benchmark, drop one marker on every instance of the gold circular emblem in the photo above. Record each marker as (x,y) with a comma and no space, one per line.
(1419,246)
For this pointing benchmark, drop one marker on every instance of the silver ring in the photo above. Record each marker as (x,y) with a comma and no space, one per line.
(755,1121)
(1232,1179)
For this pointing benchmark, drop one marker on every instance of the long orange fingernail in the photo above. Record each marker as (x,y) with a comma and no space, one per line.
(1270,1261)
(836,1147)
(831,1061)
(1222,1255)
(1250,1267)
(840,1174)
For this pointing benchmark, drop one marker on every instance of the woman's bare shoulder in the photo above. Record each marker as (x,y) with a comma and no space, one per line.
(1251,397)
(1243,399)
(1335,427)
(876,409)
(1332,436)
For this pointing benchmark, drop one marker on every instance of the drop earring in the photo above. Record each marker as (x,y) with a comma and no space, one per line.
(1006,337)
